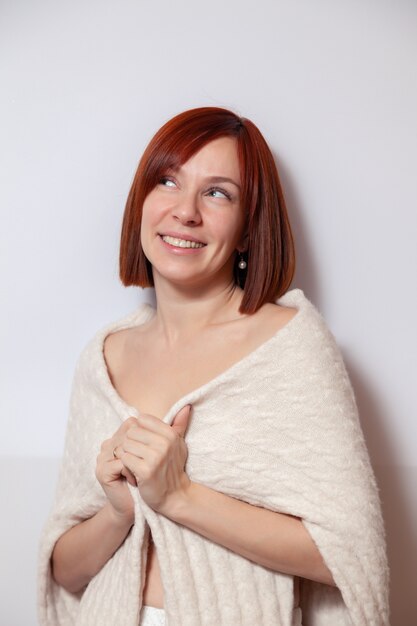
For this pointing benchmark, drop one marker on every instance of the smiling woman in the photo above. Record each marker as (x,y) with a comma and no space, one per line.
(215,470)
(211,160)
(210,217)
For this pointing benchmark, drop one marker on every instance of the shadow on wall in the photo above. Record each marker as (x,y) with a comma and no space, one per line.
(399,505)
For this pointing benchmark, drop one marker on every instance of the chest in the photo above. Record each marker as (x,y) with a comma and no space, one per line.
(153,380)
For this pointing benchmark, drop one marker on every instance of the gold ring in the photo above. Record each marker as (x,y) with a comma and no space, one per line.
(114,452)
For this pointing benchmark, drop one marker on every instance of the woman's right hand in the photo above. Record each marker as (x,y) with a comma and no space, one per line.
(82,551)
(113,475)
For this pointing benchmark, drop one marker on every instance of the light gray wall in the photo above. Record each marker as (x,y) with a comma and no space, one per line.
(333,87)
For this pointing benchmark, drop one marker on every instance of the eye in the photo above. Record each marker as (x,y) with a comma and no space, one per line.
(166,181)
(224,193)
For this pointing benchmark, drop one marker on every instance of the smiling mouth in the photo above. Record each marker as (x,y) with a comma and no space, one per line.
(181,243)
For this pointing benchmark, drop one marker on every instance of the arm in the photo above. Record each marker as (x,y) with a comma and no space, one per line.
(155,454)
(81,552)
(274,540)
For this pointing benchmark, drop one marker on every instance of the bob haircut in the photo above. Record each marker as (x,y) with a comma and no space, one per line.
(270,253)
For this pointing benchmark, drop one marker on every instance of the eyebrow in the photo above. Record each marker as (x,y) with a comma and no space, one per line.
(212,179)
(222,179)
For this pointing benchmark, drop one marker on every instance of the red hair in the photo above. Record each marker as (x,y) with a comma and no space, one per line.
(270,254)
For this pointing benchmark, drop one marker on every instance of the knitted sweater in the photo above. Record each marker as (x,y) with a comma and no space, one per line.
(278,429)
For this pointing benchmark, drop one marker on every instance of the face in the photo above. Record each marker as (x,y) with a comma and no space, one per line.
(198,202)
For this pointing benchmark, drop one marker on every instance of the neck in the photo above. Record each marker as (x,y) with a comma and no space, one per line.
(182,314)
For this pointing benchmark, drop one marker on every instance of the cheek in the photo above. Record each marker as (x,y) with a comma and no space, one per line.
(146,226)
(150,214)
(143,227)
(144,222)
(231,228)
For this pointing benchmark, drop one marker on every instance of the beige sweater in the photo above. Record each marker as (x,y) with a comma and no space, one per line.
(278,429)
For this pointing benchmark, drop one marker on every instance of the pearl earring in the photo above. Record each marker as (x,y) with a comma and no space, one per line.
(242,263)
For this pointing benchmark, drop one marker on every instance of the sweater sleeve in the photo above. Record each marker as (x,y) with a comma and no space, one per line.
(338,497)
(78,496)
(295,445)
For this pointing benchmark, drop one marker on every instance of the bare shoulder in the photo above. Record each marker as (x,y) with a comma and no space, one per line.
(268,320)
(115,346)
(278,315)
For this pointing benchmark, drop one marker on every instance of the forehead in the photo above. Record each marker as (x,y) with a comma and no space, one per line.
(219,156)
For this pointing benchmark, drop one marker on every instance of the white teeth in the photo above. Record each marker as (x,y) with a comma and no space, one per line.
(181,243)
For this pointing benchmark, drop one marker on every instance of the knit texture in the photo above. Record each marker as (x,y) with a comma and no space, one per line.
(278,429)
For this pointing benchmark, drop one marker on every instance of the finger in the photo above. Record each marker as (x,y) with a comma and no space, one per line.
(136,465)
(129,476)
(116,465)
(145,436)
(154,424)
(128,423)
(109,446)
(181,420)
(112,470)
(138,449)
(114,445)
(106,446)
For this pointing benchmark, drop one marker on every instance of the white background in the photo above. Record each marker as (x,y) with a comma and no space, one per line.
(332,86)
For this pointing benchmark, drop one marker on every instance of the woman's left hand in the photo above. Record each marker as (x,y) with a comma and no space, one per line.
(155,453)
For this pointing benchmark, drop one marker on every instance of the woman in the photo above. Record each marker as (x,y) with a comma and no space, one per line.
(214,458)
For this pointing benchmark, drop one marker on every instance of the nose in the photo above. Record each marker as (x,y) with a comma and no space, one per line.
(186,210)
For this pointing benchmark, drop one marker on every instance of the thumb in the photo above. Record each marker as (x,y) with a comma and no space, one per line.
(180,421)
